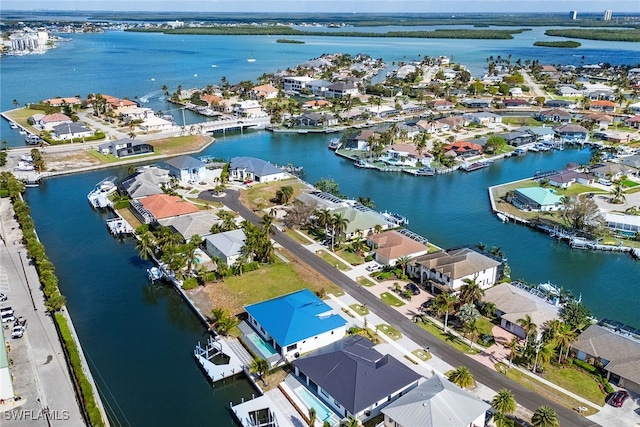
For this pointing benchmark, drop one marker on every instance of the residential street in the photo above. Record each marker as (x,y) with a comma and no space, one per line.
(481,373)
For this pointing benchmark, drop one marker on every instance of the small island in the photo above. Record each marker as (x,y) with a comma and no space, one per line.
(290,41)
(565,43)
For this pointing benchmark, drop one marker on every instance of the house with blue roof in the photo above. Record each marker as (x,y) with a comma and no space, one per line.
(296,323)
(536,199)
(254,169)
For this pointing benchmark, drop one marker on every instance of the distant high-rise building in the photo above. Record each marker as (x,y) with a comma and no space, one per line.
(607,15)
(573,14)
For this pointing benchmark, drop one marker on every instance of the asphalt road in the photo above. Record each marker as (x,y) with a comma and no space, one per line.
(481,373)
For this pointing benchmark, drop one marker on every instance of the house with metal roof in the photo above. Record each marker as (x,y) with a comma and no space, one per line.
(513,303)
(254,169)
(186,168)
(536,199)
(361,222)
(227,245)
(447,270)
(572,133)
(616,349)
(435,403)
(354,379)
(296,323)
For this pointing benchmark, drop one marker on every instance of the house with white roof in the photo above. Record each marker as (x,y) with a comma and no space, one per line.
(296,323)
(435,403)
(483,118)
(295,83)
(513,303)
(447,270)
(227,245)
(254,169)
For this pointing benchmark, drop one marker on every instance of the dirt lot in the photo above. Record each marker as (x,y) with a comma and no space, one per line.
(68,161)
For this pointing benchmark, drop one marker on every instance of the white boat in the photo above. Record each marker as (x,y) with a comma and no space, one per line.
(251,59)
(99,196)
(502,217)
(154,274)
(26,158)
(13,125)
(23,132)
(549,288)
(334,144)
(24,167)
(395,218)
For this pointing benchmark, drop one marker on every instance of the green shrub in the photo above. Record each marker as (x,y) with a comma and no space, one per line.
(121,204)
(250,266)
(4,192)
(586,366)
(189,283)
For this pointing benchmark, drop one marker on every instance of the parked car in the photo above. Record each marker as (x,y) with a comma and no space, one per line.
(17,331)
(617,399)
(5,310)
(374,267)
(413,288)
(8,317)
(3,297)
(425,305)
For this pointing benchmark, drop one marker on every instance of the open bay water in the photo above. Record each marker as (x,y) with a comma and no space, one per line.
(139,338)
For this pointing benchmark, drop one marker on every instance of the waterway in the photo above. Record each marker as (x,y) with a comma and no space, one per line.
(138,338)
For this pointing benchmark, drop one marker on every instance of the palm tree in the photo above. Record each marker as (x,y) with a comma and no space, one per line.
(564,338)
(550,330)
(165,90)
(284,194)
(403,262)
(504,403)
(350,421)
(462,377)
(618,194)
(323,218)
(444,304)
(545,416)
(339,225)
(513,349)
(529,327)
(260,367)
(471,292)
(312,417)
(146,247)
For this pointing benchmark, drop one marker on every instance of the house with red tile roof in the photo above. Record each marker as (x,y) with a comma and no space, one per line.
(165,206)
(391,245)
(602,105)
(442,104)
(49,121)
(515,103)
(633,122)
(59,102)
(464,148)
(264,92)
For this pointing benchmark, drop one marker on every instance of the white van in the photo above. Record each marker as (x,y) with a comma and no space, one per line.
(604,181)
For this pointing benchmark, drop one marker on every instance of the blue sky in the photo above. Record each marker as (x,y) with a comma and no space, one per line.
(346,6)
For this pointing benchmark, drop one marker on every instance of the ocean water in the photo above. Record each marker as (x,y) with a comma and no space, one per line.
(139,338)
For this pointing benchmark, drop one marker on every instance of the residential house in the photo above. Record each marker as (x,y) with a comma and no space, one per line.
(477,103)
(616,348)
(316,104)
(61,102)
(402,155)
(633,122)
(341,89)
(632,161)
(318,87)
(409,130)
(189,225)
(513,303)
(536,199)
(436,402)
(226,246)
(603,105)
(432,126)
(253,169)
(152,122)
(515,103)
(136,113)
(316,119)
(628,225)
(125,148)
(541,133)
(613,171)
(602,121)
(572,133)
(464,148)
(391,245)
(70,130)
(518,138)
(158,206)
(361,140)
(555,115)
(601,95)
(211,100)
(442,105)
(295,84)
(49,121)
(296,323)
(447,270)
(566,178)
(559,103)
(361,223)
(454,122)
(516,92)
(612,136)
(569,91)
(483,118)
(146,182)
(187,168)
(248,108)
(634,108)
(354,379)
(264,92)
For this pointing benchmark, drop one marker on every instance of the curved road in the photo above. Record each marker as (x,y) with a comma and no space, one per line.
(481,373)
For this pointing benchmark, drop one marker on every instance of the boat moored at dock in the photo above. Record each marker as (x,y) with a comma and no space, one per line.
(334,144)
(99,196)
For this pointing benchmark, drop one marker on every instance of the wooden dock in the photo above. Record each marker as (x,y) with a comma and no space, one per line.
(218,360)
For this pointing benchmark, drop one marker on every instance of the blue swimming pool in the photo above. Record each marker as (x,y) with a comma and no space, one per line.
(322,411)
(263,347)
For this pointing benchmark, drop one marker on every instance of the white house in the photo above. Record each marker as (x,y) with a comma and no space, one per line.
(296,323)
(187,168)
(227,245)
(295,83)
(248,108)
(70,131)
(447,270)
(253,169)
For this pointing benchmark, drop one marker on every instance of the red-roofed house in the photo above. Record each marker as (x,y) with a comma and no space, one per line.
(442,104)
(464,148)
(633,122)
(211,99)
(515,103)
(264,92)
(391,245)
(50,121)
(166,206)
(603,105)
(59,102)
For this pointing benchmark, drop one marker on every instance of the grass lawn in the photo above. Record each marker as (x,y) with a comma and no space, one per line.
(628,183)
(449,338)
(297,237)
(267,282)
(364,281)
(543,389)
(332,260)
(389,331)
(129,217)
(259,196)
(391,299)
(104,158)
(577,382)
(521,121)
(180,144)
(421,354)
(351,257)
(360,309)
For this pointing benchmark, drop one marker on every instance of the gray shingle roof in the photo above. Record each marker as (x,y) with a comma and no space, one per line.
(436,403)
(146,183)
(69,128)
(356,374)
(256,166)
(185,162)
(188,225)
(229,243)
